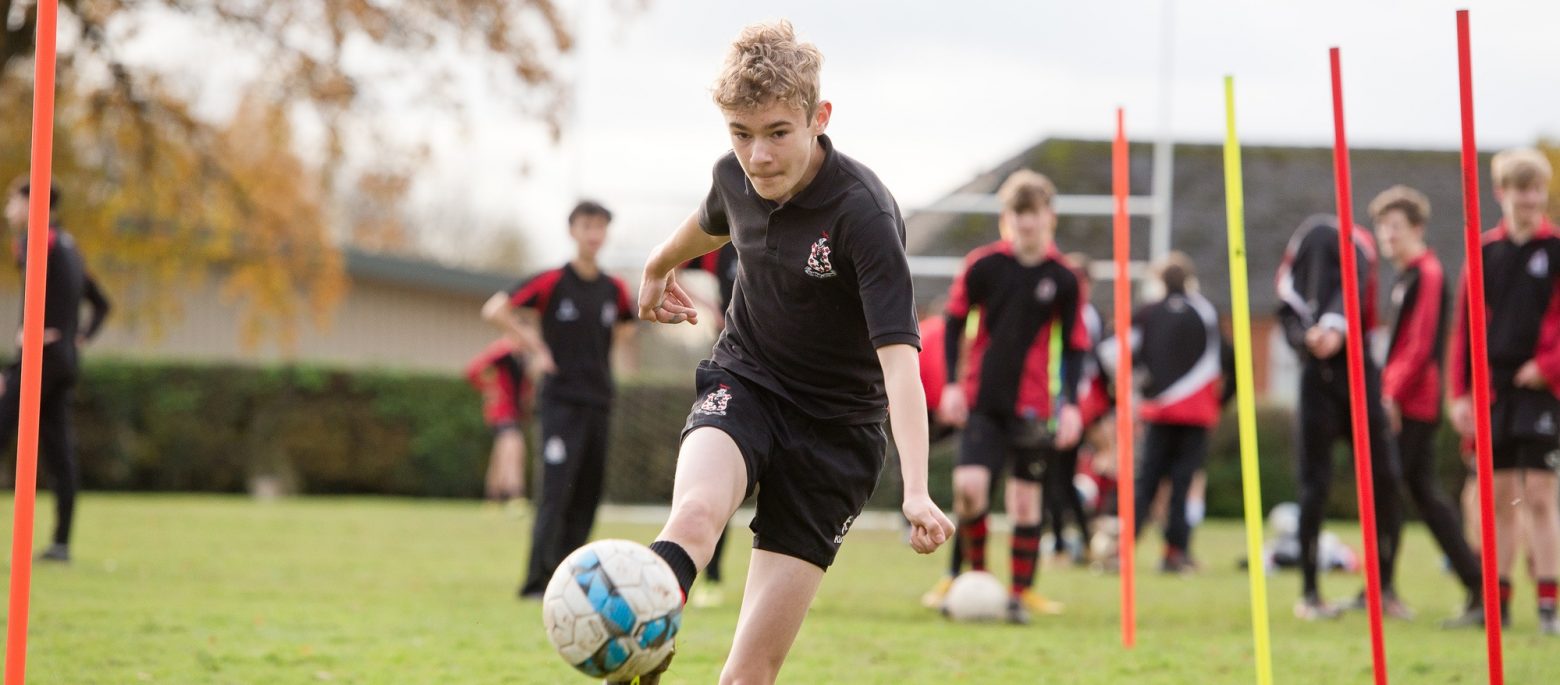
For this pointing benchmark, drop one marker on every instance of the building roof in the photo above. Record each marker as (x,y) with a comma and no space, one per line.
(422,274)
(1283,186)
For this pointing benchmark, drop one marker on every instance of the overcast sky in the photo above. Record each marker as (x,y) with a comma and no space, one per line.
(929,93)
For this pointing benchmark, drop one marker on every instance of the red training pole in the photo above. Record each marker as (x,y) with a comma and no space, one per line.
(1356,357)
(1125,504)
(1480,356)
(32,345)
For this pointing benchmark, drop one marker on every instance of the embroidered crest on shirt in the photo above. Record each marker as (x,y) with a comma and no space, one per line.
(608,314)
(818,265)
(714,404)
(1538,265)
(1046,290)
(567,311)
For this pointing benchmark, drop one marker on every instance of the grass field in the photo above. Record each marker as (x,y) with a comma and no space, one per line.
(174,589)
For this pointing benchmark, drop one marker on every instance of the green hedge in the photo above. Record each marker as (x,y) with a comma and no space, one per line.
(1276,447)
(214,428)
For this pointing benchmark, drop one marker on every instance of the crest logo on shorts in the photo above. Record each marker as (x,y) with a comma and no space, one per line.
(1046,291)
(1545,424)
(567,311)
(840,539)
(555,451)
(1538,265)
(714,404)
(818,265)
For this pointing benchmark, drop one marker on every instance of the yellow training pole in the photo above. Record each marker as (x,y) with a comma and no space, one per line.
(1240,306)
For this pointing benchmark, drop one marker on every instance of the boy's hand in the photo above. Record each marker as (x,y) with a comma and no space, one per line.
(929,527)
(662,300)
(1394,414)
(1530,377)
(1069,426)
(1323,342)
(953,409)
(1462,416)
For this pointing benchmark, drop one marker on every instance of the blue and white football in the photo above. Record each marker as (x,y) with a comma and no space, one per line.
(612,609)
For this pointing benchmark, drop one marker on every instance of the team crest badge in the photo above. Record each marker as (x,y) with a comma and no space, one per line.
(714,404)
(1538,265)
(567,311)
(1046,291)
(818,265)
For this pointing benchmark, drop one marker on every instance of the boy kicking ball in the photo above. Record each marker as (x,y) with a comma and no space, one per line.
(820,347)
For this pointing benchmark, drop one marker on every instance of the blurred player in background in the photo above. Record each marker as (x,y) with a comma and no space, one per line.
(498,373)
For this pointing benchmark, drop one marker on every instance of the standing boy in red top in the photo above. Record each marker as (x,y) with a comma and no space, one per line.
(1023,373)
(1521,280)
(499,374)
(1411,379)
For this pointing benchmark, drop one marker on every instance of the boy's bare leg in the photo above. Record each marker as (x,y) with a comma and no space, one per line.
(710,482)
(509,454)
(779,590)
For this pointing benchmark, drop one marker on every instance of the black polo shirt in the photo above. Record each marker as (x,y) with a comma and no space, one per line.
(577,318)
(824,283)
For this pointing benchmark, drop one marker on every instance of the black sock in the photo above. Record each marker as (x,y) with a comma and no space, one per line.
(677,558)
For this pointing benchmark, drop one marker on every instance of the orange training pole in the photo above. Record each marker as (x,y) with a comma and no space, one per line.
(32,345)
(1125,505)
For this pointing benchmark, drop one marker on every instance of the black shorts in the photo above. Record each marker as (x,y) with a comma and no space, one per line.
(993,441)
(813,477)
(1523,427)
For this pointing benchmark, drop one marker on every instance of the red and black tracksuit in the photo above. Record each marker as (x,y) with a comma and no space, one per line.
(1523,313)
(1412,380)
(1310,288)
(1523,324)
(1186,371)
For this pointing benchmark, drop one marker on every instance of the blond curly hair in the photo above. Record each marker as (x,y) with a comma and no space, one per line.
(767,64)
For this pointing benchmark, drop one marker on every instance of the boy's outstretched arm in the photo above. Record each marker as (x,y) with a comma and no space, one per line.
(929,527)
(661,299)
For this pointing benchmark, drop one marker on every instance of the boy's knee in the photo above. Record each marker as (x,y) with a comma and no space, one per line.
(696,518)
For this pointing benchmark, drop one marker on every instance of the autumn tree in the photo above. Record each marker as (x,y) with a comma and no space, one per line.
(165,196)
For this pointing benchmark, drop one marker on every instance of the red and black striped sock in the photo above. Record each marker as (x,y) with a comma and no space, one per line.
(1546,597)
(972,538)
(1505,597)
(1026,550)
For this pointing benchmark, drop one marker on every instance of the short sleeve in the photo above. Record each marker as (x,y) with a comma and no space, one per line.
(876,249)
(712,214)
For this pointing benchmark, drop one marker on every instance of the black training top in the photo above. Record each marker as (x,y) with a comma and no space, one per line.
(67,285)
(577,317)
(824,283)
(1028,351)
(1522,310)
